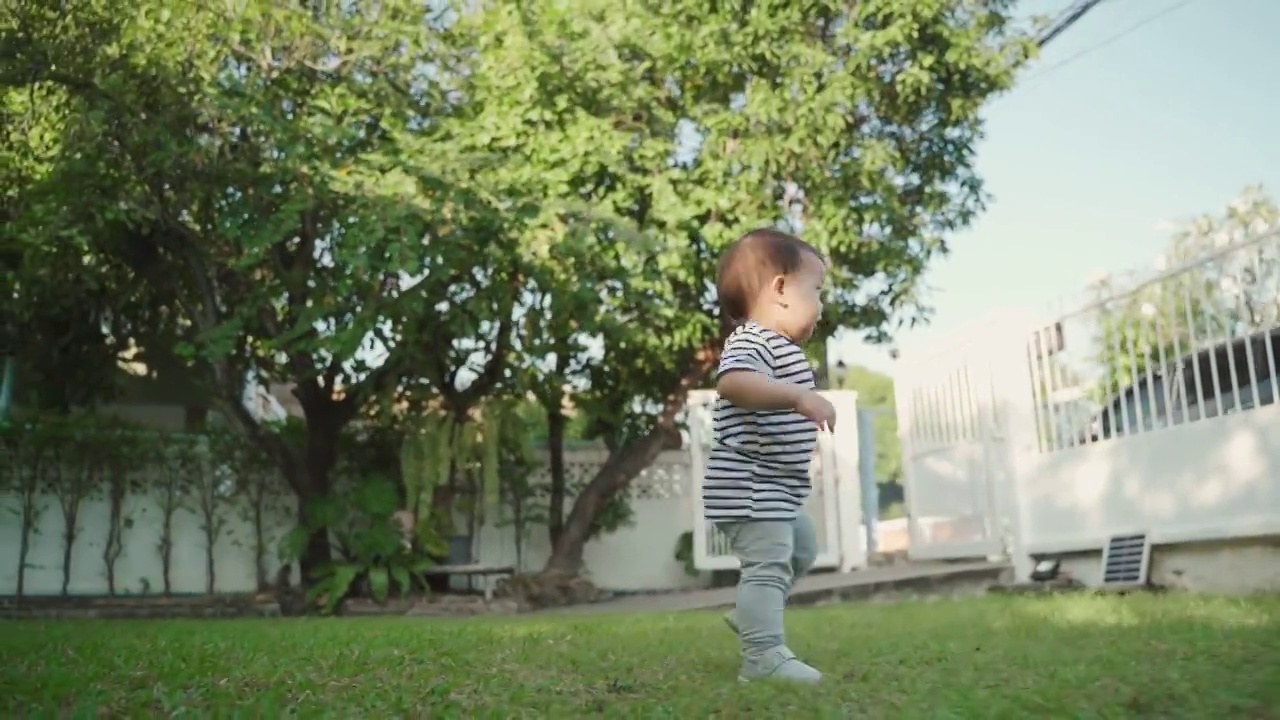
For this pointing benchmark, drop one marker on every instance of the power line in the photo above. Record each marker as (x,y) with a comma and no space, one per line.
(1065,20)
(1098,46)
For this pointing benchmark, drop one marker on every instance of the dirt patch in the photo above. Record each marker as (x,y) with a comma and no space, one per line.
(158,607)
(539,591)
(1062,584)
(443,605)
(462,606)
(240,606)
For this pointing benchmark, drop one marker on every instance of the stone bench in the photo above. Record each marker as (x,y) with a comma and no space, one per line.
(471,572)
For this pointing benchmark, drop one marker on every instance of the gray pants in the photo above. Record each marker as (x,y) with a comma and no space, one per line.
(773,554)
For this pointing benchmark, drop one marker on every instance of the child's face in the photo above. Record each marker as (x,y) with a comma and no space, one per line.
(800,296)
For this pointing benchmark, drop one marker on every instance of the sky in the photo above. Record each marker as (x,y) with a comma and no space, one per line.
(1101,146)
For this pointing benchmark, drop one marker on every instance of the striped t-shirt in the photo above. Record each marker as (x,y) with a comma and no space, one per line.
(758,467)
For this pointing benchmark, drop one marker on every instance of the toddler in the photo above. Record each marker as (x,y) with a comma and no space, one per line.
(766,424)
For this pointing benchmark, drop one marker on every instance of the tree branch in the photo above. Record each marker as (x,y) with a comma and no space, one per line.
(492,373)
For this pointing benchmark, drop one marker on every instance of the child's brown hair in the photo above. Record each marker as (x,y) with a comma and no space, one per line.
(750,263)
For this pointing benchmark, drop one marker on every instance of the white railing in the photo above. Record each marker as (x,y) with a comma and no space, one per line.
(1154,405)
(1193,342)
(1149,408)
(952,434)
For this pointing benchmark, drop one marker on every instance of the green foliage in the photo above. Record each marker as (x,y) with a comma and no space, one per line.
(77,475)
(875,390)
(371,548)
(123,455)
(684,553)
(214,486)
(534,419)
(276,183)
(64,336)
(178,461)
(521,508)
(263,491)
(677,131)
(756,138)
(518,507)
(33,447)
(471,196)
(424,461)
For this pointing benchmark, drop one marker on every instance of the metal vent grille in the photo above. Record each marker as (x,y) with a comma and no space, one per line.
(1124,562)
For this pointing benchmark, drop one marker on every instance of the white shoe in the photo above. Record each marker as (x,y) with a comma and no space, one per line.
(778,664)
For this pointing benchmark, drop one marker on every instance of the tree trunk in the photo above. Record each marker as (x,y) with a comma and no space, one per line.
(166,545)
(210,573)
(619,470)
(113,546)
(30,518)
(555,446)
(316,484)
(318,553)
(70,530)
(623,465)
(307,473)
(24,549)
(260,540)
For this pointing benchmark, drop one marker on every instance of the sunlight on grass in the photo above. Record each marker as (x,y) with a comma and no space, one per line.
(1168,657)
(1104,611)
(1229,613)
(1088,611)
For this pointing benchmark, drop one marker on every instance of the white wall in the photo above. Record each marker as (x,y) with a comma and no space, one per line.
(138,569)
(1209,480)
(640,557)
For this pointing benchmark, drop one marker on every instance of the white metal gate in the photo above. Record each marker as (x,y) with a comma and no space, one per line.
(951,428)
(835,503)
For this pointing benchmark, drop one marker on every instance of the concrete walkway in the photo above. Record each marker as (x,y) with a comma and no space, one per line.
(860,584)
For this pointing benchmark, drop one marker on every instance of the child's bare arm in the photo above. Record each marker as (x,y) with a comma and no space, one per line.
(756,391)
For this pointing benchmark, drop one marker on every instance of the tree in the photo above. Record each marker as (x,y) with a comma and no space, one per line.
(365,199)
(213,481)
(262,493)
(279,179)
(688,122)
(57,334)
(175,463)
(34,447)
(563,319)
(120,452)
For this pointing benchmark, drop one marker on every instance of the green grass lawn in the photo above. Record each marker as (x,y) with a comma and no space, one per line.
(997,657)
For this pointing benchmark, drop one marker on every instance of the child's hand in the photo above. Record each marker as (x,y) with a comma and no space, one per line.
(818,409)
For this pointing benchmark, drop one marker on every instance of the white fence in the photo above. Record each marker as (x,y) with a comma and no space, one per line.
(636,558)
(951,433)
(1150,409)
(665,501)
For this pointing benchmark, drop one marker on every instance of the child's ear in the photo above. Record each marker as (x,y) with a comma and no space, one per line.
(778,284)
